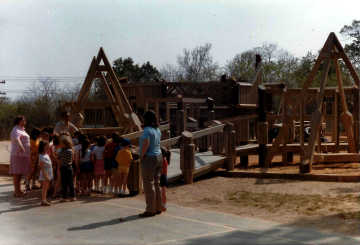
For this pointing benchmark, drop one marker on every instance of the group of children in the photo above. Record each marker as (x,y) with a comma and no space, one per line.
(82,164)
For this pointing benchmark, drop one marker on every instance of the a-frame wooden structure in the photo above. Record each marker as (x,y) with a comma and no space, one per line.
(122,110)
(332,49)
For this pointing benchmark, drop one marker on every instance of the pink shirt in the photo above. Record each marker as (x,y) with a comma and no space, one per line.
(19,132)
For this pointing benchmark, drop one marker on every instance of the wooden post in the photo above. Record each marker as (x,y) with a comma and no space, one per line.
(217,143)
(168,112)
(336,121)
(262,125)
(180,125)
(146,106)
(356,117)
(302,128)
(230,146)
(168,136)
(291,137)
(269,108)
(191,110)
(244,140)
(187,157)
(286,135)
(197,112)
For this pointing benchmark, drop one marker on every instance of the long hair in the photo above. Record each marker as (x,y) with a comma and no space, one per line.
(85,145)
(35,132)
(42,146)
(67,142)
(150,119)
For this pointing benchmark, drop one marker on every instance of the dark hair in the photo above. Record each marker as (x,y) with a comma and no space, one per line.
(55,139)
(150,119)
(89,136)
(101,141)
(45,133)
(42,146)
(35,132)
(114,136)
(64,113)
(96,139)
(81,138)
(119,140)
(77,133)
(85,145)
(18,119)
(166,154)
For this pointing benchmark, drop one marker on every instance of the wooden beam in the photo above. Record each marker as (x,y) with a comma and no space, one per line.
(336,157)
(306,164)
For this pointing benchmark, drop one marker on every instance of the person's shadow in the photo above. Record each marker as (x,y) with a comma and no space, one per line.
(104,223)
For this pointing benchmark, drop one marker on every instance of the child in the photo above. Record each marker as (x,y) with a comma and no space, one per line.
(65,157)
(46,173)
(94,143)
(163,179)
(124,159)
(75,140)
(56,166)
(34,157)
(108,161)
(85,166)
(114,168)
(97,157)
(76,165)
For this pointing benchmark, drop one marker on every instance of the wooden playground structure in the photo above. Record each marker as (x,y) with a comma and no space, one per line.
(225,119)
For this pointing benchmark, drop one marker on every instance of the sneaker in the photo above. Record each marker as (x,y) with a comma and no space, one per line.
(63,200)
(45,203)
(125,192)
(73,199)
(163,209)
(105,192)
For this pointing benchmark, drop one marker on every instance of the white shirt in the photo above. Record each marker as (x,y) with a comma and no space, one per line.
(87,156)
(98,151)
(62,127)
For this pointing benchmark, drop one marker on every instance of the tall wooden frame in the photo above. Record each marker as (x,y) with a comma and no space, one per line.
(332,49)
(122,109)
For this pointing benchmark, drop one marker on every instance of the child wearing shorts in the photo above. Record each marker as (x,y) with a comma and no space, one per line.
(163,179)
(108,161)
(114,170)
(124,158)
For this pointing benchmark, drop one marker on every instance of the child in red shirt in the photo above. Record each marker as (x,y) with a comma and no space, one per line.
(163,179)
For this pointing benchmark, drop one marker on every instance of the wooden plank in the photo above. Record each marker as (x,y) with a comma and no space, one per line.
(208,131)
(286,135)
(247,106)
(138,134)
(336,157)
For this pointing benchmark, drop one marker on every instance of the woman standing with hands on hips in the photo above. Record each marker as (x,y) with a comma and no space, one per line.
(20,154)
(151,162)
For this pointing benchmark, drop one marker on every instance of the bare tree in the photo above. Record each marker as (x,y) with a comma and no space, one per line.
(198,64)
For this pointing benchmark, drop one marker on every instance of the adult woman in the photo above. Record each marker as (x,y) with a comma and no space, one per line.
(151,162)
(20,154)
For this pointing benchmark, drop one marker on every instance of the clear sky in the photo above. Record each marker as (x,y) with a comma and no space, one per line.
(58,38)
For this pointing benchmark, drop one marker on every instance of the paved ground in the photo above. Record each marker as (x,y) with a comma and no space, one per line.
(95,220)
(4,154)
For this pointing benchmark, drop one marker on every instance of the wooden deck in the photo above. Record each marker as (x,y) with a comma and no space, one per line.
(205,162)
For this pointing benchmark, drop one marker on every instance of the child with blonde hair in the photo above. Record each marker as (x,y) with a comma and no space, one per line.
(66,156)
(46,173)
(124,159)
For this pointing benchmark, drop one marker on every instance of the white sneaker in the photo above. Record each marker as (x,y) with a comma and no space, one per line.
(105,192)
(125,192)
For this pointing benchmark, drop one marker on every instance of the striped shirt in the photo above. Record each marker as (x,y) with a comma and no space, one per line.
(65,157)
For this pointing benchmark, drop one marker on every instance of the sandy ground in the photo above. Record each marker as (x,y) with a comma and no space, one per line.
(332,207)
(318,168)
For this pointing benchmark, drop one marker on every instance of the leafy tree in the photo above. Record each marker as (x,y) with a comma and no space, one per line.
(134,72)
(352,32)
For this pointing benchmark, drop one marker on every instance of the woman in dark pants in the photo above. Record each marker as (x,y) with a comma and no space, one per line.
(151,162)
